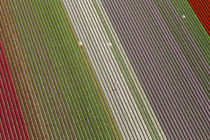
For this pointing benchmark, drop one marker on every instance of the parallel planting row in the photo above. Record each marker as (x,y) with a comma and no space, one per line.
(167,62)
(57,93)
(12,124)
(130,114)
(104,69)
(202,8)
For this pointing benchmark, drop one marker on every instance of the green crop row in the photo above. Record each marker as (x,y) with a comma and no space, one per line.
(194,26)
(200,36)
(70,98)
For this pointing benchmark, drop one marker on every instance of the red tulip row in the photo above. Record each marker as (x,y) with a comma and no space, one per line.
(202,9)
(12,124)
